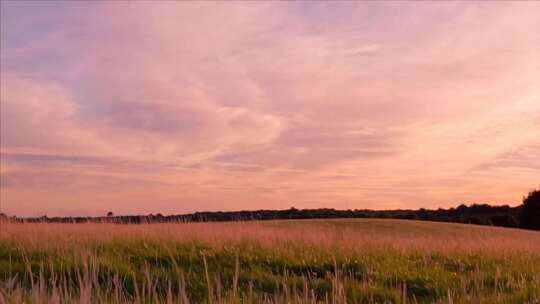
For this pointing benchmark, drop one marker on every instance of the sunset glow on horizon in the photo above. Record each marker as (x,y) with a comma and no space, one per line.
(176,107)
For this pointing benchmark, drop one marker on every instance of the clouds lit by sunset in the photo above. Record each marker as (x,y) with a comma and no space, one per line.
(174,107)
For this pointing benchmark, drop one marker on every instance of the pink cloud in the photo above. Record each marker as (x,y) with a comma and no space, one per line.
(227,106)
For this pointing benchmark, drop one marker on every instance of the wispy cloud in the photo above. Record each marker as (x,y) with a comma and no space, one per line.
(185,106)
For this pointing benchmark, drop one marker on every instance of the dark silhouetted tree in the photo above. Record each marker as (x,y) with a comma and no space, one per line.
(109,214)
(530,211)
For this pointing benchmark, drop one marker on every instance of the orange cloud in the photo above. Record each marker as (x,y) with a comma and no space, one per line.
(174,106)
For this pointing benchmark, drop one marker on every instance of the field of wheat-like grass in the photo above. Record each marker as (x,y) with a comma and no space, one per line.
(305,261)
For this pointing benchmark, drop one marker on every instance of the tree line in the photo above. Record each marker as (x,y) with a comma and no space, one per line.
(526,216)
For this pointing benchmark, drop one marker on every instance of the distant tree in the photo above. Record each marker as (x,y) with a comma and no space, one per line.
(504,220)
(530,211)
(109,214)
(462,207)
(475,220)
(422,214)
(513,221)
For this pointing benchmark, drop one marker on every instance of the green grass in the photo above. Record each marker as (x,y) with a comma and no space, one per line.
(335,261)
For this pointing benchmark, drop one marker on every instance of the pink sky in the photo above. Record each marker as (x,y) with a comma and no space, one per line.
(177,107)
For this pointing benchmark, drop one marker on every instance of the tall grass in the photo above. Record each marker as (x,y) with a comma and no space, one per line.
(330,261)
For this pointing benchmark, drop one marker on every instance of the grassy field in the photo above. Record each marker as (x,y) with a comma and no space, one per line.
(328,261)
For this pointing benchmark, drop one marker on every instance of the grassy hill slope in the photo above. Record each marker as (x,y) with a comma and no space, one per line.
(334,261)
